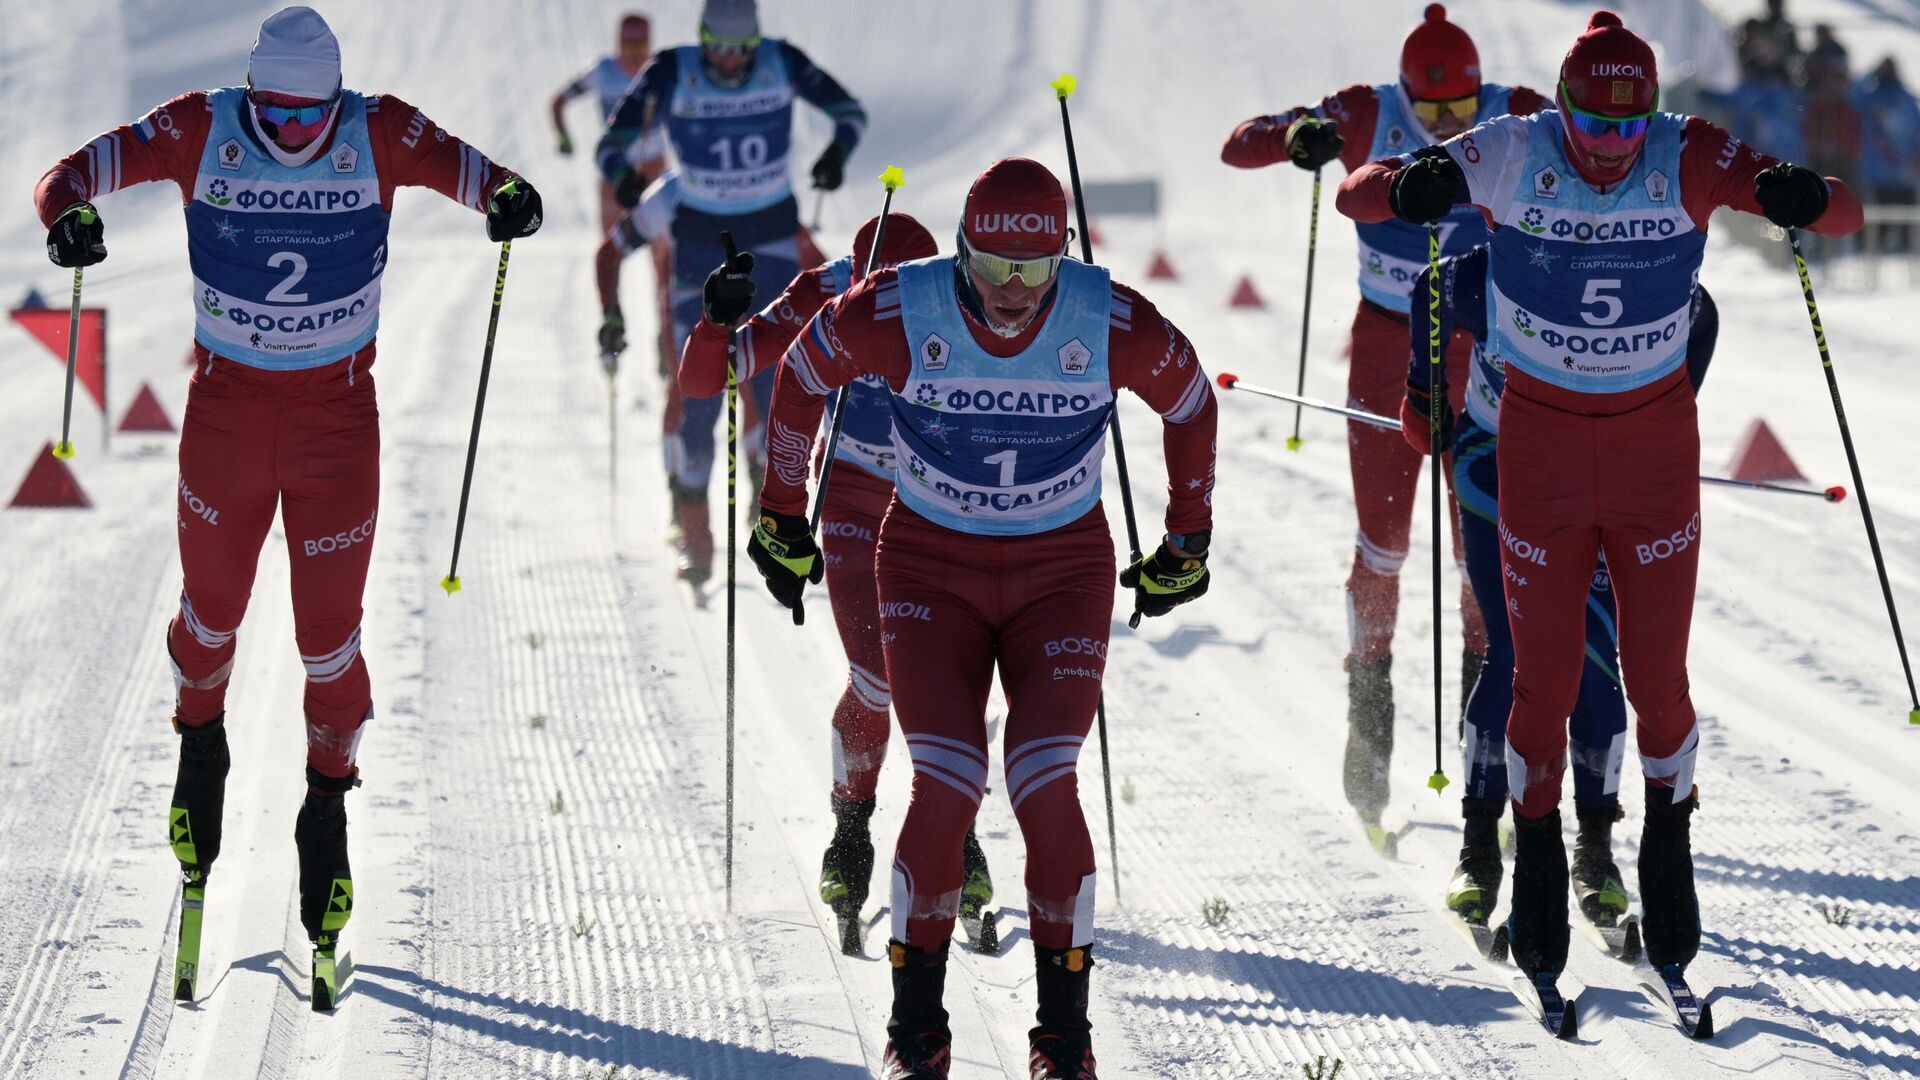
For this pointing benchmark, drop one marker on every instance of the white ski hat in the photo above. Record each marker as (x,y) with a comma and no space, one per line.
(731,20)
(295,54)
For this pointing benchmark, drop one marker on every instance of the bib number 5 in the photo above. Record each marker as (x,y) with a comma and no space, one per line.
(1599,292)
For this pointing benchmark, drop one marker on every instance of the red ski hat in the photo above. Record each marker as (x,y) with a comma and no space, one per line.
(1017,209)
(635,27)
(906,240)
(1438,61)
(1610,70)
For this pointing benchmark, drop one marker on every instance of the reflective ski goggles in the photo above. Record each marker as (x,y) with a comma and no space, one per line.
(998,270)
(278,114)
(1595,125)
(720,46)
(1460,108)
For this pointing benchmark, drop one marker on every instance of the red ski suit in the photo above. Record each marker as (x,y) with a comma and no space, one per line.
(1385,470)
(1589,472)
(306,442)
(954,605)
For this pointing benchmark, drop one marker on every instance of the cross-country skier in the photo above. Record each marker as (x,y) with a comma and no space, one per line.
(1600,209)
(287,184)
(727,108)
(1439,94)
(1003,362)
(1599,721)
(850,527)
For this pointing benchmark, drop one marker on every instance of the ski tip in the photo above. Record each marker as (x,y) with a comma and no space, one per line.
(1630,941)
(1293,442)
(1569,1020)
(893,178)
(63,450)
(322,995)
(1438,781)
(451,583)
(1226,379)
(1064,86)
(183,989)
(1704,1029)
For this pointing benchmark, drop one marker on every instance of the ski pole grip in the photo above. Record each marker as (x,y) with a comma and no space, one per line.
(1226,379)
(726,237)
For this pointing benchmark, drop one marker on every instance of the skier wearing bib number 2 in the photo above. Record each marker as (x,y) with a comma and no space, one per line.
(727,107)
(1600,210)
(287,184)
(1439,95)
(1003,361)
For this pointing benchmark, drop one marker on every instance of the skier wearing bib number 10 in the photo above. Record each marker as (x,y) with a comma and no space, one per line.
(1439,94)
(281,409)
(1003,362)
(1600,211)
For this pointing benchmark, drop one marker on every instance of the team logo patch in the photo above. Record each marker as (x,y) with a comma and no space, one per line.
(231,155)
(934,352)
(1396,135)
(1546,183)
(1074,357)
(1622,92)
(1657,186)
(345,158)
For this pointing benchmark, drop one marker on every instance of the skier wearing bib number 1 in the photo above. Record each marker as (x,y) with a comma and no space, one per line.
(287,184)
(1600,209)
(727,107)
(1439,94)
(1003,361)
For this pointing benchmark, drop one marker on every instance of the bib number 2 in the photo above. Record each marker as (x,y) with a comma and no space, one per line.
(283,293)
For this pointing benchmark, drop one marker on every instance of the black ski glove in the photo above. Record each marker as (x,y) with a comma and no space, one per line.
(783,550)
(77,237)
(1312,142)
(613,332)
(1164,580)
(513,212)
(1427,188)
(565,145)
(831,169)
(1793,197)
(729,291)
(628,187)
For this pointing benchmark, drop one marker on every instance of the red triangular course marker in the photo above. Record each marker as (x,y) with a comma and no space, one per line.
(1761,457)
(145,414)
(1244,295)
(1160,269)
(49,483)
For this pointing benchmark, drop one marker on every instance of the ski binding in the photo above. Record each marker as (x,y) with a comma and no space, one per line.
(1667,986)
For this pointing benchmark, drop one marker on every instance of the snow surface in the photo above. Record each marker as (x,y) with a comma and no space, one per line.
(538,845)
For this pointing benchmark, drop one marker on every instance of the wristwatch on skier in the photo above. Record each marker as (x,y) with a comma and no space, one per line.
(1193,543)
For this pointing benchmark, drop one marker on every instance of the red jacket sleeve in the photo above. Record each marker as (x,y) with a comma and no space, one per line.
(1262,140)
(1525,101)
(760,343)
(165,144)
(1362,196)
(1717,169)
(412,151)
(1149,355)
(857,333)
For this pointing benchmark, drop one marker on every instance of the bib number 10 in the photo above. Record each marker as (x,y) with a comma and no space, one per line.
(751,149)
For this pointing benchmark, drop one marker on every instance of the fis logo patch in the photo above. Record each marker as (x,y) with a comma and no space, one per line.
(231,155)
(934,352)
(1074,358)
(1657,186)
(345,158)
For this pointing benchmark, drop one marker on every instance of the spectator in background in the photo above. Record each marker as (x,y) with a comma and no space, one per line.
(1826,59)
(1768,49)
(1890,147)
(1830,123)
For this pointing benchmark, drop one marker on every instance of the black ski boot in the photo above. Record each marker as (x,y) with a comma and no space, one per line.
(1537,929)
(1470,664)
(976,892)
(326,879)
(199,796)
(1369,743)
(1061,1045)
(1475,889)
(846,870)
(919,1045)
(1597,884)
(1670,927)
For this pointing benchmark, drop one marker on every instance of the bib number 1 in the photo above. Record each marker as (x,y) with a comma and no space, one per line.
(1005,460)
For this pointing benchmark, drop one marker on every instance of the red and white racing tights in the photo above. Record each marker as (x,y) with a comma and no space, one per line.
(308,443)
(1575,481)
(952,607)
(849,532)
(1385,473)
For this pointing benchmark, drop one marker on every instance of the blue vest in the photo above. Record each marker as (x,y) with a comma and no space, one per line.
(286,259)
(1587,290)
(1393,252)
(732,142)
(866,431)
(1003,446)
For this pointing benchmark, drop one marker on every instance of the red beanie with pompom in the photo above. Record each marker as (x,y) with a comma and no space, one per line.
(1438,61)
(1610,70)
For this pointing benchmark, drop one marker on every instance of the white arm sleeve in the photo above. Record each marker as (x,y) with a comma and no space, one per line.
(1492,156)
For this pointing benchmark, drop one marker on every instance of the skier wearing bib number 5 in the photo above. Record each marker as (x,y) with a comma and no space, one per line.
(1003,362)
(287,184)
(1600,210)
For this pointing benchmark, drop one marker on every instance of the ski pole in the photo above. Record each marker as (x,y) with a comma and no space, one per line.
(64,448)
(1853,465)
(1436,401)
(451,582)
(733,517)
(1833,494)
(892,179)
(1306,309)
(1063,88)
(819,201)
